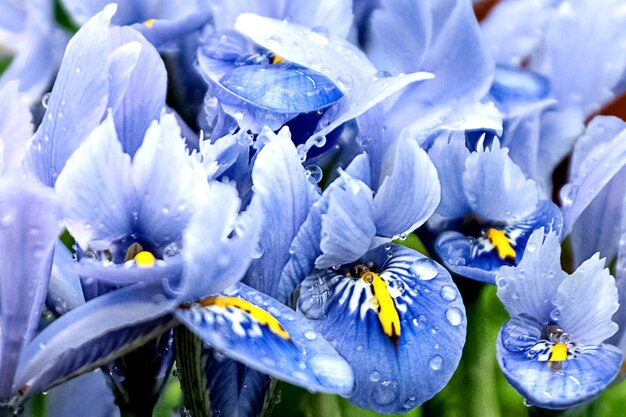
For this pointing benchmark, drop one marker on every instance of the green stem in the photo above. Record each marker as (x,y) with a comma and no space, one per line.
(191,372)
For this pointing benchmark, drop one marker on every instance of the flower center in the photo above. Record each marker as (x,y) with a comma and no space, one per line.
(502,244)
(557,349)
(142,258)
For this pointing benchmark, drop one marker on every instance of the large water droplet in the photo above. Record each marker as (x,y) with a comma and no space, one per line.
(345,82)
(454,316)
(375,376)
(331,372)
(314,173)
(319,141)
(448,293)
(45,99)
(555,315)
(424,269)
(435,363)
(386,392)
(568,194)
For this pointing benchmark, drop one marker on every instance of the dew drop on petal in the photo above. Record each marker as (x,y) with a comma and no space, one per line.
(375,376)
(364,141)
(454,316)
(448,293)
(531,247)
(424,269)
(568,194)
(345,82)
(555,315)
(319,141)
(435,363)
(386,392)
(314,173)
(44,100)
(310,335)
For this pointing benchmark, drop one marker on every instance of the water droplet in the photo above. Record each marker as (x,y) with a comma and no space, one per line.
(527,403)
(448,293)
(382,74)
(424,269)
(435,363)
(319,141)
(568,194)
(44,100)
(410,403)
(314,173)
(310,335)
(386,392)
(345,82)
(375,376)
(319,35)
(302,150)
(555,315)
(364,141)
(454,316)
(77,70)
(531,247)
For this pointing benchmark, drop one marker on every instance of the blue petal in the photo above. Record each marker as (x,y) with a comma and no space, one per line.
(144,93)
(496,188)
(579,379)
(284,87)
(170,28)
(110,273)
(390,379)
(93,334)
(304,358)
(64,292)
(600,165)
(87,395)
(78,100)
(234,389)
(16,127)
(587,301)
(409,191)
(529,287)
(588,83)
(512,87)
(218,243)
(286,197)
(95,191)
(164,181)
(449,154)
(29,225)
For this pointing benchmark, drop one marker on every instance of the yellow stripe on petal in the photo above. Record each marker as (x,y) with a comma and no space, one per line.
(502,244)
(149,22)
(257,313)
(387,311)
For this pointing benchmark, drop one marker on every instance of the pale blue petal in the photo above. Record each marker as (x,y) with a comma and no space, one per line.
(496,188)
(409,191)
(95,191)
(455,251)
(78,100)
(286,196)
(599,66)
(586,301)
(16,127)
(448,154)
(168,28)
(529,287)
(64,292)
(620,280)
(144,94)
(29,226)
(119,274)
(164,181)
(514,28)
(87,395)
(234,389)
(579,379)
(348,226)
(390,379)
(218,243)
(304,358)
(92,335)
(599,166)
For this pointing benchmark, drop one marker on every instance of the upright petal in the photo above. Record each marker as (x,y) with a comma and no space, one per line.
(16,127)
(286,196)
(64,292)
(94,189)
(29,226)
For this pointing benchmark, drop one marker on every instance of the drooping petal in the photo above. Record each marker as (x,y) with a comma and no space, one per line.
(496,188)
(286,196)
(430,328)
(586,301)
(529,287)
(164,181)
(92,335)
(233,388)
(29,225)
(409,191)
(95,191)
(85,395)
(578,380)
(266,335)
(16,127)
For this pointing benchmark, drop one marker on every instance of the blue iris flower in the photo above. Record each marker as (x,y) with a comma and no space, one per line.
(551,350)
(30,222)
(394,314)
(488,209)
